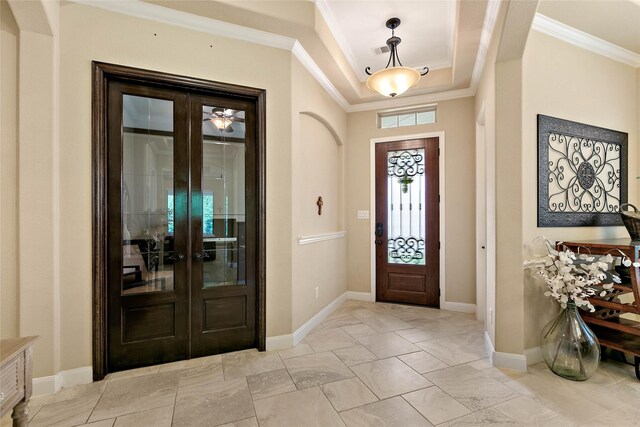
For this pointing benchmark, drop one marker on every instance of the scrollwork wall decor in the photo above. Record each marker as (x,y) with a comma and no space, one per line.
(582,174)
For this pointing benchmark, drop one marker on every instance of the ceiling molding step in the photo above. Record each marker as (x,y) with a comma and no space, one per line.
(586,41)
(412,100)
(311,66)
(490,18)
(331,22)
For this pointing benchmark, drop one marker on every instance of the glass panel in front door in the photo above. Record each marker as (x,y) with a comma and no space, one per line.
(223,196)
(406,204)
(147,195)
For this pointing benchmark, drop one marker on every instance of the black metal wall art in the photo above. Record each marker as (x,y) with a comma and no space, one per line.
(582,174)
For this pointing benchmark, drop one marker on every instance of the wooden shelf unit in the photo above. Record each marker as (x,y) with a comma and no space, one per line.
(612,330)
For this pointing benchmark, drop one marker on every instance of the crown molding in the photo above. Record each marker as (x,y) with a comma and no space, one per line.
(140,9)
(330,20)
(490,19)
(190,21)
(311,66)
(586,41)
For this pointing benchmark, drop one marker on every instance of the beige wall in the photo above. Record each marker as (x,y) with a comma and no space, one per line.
(9,35)
(319,132)
(564,81)
(456,119)
(91,34)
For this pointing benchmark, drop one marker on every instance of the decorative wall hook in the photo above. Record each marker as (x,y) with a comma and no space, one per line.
(319,203)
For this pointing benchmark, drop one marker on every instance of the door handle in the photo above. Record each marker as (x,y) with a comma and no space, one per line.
(197,255)
(178,257)
(378,242)
(379,231)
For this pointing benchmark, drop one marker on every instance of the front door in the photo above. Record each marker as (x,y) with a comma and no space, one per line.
(182,225)
(407,222)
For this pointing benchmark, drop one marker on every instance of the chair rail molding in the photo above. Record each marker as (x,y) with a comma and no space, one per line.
(306,240)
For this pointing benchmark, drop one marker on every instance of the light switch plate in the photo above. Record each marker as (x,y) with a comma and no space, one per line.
(363,214)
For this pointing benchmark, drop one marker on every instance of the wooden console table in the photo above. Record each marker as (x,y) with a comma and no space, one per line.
(613,330)
(15,378)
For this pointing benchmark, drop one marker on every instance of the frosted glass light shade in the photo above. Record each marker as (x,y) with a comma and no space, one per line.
(393,81)
(222,122)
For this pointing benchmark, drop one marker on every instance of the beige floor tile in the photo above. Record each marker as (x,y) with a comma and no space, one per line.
(270,384)
(249,362)
(309,408)
(137,394)
(201,375)
(70,412)
(436,405)
(469,387)
(316,369)
(389,377)
(432,330)
(355,355)
(422,362)
(485,417)
(621,416)
(159,417)
(456,349)
(530,412)
(395,412)
(249,422)
(191,363)
(360,330)
(347,394)
(81,390)
(131,373)
(330,339)
(301,349)
(387,345)
(103,423)
(220,403)
(386,323)
(363,313)
(338,320)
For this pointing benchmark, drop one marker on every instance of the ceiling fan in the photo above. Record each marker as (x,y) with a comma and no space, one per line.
(223,118)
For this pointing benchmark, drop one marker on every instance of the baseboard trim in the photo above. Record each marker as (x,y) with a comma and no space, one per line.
(359,296)
(279,342)
(303,331)
(513,361)
(460,307)
(498,359)
(533,355)
(69,378)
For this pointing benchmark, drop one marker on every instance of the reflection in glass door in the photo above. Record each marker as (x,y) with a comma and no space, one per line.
(147,186)
(223,196)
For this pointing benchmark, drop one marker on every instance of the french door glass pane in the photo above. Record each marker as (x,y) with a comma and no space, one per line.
(147,195)
(223,196)
(405,210)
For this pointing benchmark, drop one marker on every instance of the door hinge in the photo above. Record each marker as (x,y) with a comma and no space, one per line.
(438,150)
(438,291)
(438,198)
(438,245)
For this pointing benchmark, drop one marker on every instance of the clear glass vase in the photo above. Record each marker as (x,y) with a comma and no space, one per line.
(569,347)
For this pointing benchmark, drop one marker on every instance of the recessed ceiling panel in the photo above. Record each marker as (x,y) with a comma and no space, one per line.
(427,31)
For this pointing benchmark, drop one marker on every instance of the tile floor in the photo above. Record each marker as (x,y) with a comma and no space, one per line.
(366,365)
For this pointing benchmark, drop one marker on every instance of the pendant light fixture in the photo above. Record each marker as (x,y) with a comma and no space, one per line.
(395,80)
(221,122)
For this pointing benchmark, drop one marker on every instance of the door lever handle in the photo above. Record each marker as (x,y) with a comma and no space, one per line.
(378,242)
(178,257)
(197,255)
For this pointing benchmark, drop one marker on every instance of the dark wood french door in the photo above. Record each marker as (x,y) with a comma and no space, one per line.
(407,222)
(181,219)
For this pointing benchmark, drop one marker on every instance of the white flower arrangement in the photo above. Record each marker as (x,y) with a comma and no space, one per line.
(572,278)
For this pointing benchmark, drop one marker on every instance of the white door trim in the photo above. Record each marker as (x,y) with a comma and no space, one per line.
(481,217)
(372,181)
